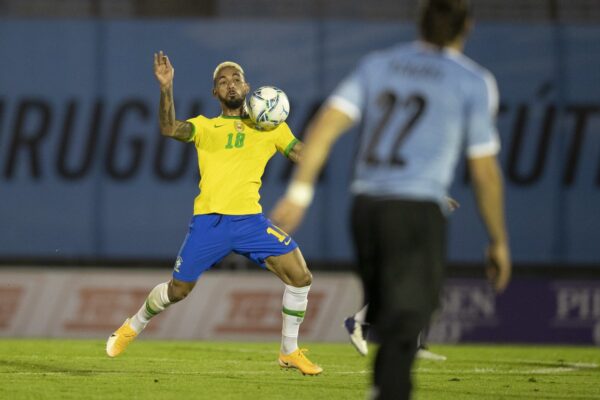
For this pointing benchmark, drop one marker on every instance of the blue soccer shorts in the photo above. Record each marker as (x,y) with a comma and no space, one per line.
(213,236)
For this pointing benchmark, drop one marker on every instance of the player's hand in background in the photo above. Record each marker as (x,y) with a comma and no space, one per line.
(287,215)
(453,205)
(163,70)
(498,265)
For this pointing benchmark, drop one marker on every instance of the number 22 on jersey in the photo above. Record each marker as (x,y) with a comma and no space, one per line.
(414,105)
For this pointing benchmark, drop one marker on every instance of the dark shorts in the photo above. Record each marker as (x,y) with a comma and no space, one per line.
(213,236)
(401,246)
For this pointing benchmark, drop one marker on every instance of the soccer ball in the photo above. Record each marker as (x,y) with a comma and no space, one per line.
(268,107)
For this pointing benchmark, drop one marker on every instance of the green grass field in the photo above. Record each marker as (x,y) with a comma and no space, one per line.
(79,369)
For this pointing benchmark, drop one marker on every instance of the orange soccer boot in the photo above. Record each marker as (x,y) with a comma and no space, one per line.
(298,360)
(118,341)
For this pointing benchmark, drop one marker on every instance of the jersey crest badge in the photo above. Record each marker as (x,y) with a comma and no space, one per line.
(239,126)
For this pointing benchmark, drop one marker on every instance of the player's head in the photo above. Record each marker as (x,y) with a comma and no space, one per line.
(229,84)
(443,22)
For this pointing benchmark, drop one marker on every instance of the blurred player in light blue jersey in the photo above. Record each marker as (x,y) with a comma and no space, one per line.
(421,105)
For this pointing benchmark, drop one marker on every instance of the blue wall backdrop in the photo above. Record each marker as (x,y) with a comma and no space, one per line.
(84,173)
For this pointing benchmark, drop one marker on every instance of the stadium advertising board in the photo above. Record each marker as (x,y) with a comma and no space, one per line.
(246,306)
(223,306)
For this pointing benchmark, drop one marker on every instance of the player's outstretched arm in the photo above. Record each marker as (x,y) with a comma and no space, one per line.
(169,125)
(328,125)
(489,193)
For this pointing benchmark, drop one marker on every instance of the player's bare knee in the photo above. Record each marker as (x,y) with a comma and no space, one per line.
(179,290)
(301,280)
(178,295)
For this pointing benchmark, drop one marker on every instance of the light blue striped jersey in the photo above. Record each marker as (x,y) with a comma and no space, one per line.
(419,109)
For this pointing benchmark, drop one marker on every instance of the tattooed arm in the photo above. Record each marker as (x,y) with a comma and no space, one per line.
(169,126)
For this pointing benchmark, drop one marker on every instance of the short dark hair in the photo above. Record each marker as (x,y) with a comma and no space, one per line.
(442,21)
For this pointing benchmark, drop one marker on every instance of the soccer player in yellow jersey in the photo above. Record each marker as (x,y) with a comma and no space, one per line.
(232,155)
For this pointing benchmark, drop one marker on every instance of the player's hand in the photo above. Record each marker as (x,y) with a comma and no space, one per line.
(163,70)
(287,215)
(498,265)
(452,204)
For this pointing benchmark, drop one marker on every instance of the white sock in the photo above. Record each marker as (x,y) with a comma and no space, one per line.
(295,301)
(361,314)
(155,303)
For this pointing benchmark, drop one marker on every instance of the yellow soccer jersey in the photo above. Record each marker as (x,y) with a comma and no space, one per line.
(232,156)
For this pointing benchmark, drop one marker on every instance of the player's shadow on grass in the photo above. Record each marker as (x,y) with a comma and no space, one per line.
(482,394)
(537,364)
(41,368)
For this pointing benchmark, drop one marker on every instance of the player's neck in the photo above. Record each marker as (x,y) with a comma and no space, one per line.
(232,112)
(457,45)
